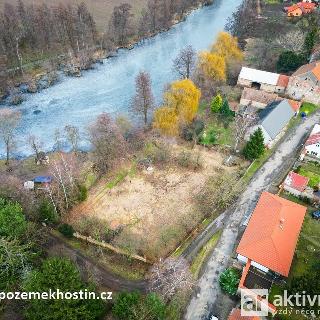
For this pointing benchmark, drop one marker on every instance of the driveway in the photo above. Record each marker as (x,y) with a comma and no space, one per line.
(208,288)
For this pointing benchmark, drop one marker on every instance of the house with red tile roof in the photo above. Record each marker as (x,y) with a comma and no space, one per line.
(311,150)
(300,8)
(269,241)
(295,184)
(236,315)
(304,84)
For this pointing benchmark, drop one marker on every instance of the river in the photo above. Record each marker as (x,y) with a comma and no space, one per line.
(110,87)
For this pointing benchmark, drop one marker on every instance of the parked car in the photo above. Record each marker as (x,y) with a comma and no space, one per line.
(316,215)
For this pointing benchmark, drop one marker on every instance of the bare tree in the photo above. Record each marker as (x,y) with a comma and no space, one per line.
(120,25)
(169,276)
(107,141)
(63,192)
(35,145)
(143,101)
(9,121)
(185,62)
(219,192)
(73,136)
(245,118)
(292,40)
(3,74)
(58,143)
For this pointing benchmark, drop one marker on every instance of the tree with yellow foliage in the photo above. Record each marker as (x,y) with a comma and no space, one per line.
(181,103)
(227,46)
(166,120)
(212,66)
(184,97)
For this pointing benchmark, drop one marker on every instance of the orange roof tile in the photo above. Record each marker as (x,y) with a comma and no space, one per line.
(295,105)
(296,181)
(272,233)
(316,71)
(283,81)
(306,5)
(293,8)
(313,67)
(236,315)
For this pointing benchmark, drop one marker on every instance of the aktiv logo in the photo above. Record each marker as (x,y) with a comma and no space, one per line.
(254,303)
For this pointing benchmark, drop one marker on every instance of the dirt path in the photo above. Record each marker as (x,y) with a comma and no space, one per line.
(91,269)
(208,290)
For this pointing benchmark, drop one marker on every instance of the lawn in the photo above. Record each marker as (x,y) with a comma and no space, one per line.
(222,132)
(256,165)
(309,108)
(311,171)
(202,256)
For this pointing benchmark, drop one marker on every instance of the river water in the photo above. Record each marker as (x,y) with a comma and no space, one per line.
(110,87)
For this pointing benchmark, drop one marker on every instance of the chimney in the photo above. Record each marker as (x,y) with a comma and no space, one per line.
(282,220)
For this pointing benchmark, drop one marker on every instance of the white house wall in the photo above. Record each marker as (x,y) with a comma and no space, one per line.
(244,260)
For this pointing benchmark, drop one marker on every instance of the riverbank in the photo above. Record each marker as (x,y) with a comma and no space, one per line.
(37,76)
(110,86)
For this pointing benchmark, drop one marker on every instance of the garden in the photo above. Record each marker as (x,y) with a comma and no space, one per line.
(312,171)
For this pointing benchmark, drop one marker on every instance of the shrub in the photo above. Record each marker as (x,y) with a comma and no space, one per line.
(229,281)
(216,103)
(289,61)
(97,229)
(193,131)
(134,306)
(184,158)
(47,212)
(158,153)
(83,193)
(124,304)
(66,230)
(188,159)
(208,137)
(12,220)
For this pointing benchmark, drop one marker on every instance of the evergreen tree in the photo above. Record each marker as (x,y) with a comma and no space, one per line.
(310,41)
(255,146)
(60,273)
(225,109)
(216,103)
(290,61)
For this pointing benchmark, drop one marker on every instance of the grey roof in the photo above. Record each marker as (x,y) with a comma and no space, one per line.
(276,116)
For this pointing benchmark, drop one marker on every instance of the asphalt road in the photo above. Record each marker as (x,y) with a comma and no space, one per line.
(208,289)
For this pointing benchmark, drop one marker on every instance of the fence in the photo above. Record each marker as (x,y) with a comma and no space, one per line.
(103,244)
